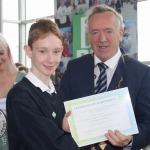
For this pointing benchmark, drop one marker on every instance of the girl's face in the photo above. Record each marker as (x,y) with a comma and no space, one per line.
(61,2)
(80,1)
(71,2)
(45,56)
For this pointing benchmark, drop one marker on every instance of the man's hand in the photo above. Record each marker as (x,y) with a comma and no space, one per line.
(65,125)
(118,139)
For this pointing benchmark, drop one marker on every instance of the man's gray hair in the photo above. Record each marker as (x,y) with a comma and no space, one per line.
(101,9)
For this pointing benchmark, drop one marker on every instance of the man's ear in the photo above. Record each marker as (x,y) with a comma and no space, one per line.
(121,35)
(28,50)
(88,38)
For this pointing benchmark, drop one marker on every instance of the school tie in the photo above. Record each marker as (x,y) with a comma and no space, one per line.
(101,84)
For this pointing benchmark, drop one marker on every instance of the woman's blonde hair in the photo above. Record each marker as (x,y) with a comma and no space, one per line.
(11,64)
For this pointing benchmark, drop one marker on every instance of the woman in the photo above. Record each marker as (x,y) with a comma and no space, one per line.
(62,13)
(9,76)
(82,7)
(71,10)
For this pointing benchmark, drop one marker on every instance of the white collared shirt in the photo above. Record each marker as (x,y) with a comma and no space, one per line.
(38,83)
(112,65)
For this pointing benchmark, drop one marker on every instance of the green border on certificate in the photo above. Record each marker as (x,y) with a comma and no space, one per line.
(93,116)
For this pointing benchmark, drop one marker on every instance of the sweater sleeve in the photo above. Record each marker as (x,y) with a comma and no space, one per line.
(28,128)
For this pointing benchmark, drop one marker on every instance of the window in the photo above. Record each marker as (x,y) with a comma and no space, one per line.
(28,60)
(143,31)
(10,9)
(42,8)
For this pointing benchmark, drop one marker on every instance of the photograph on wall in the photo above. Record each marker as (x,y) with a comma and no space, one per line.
(81,6)
(129,42)
(66,9)
(61,69)
(61,13)
(67,41)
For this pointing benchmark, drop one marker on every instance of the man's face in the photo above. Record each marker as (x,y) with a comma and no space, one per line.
(62,2)
(104,35)
(45,56)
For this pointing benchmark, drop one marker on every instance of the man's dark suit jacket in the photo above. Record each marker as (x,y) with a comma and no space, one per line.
(78,81)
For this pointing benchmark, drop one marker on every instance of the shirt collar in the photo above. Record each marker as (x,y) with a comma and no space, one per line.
(38,83)
(112,62)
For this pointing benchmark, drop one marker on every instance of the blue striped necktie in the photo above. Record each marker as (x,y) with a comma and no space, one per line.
(101,84)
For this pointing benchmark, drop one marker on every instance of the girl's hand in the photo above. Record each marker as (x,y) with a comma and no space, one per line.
(65,125)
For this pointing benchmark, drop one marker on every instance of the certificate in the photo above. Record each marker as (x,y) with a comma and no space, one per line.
(93,116)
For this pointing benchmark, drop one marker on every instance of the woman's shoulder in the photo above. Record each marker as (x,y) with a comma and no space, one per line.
(20,75)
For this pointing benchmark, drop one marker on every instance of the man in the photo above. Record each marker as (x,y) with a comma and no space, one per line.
(105,29)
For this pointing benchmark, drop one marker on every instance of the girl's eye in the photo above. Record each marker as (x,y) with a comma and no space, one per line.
(42,51)
(57,51)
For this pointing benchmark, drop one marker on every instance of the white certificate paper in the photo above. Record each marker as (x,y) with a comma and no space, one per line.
(93,116)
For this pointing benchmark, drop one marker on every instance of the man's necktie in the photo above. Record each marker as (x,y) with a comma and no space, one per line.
(101,84)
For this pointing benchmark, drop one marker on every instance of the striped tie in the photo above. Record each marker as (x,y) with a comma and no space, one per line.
(101,84)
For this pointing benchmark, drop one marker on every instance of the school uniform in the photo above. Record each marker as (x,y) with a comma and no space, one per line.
(34,115)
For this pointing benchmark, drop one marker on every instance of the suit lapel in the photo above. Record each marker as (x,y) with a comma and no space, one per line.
(89,75)
(118,74)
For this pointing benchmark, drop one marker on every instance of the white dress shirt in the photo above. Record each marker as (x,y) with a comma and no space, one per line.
(112,65)
(38,83)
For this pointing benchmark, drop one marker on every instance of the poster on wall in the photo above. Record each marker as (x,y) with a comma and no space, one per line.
(64,12)
(66,9)
(61,69)
(70,18)
(67,53)
(128,9)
